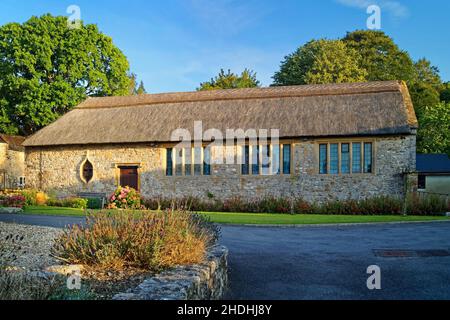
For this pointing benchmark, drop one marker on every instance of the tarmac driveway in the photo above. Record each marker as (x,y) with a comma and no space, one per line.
(331,262)
(327,262)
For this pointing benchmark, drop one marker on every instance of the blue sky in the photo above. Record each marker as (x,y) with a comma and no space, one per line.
(173,45)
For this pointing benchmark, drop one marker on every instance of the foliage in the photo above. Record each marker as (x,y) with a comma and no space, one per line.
(151,241)
(422,205)
(30,196)
(12,200)
(380,205)
(229,80)
(134,87)
(72,202)
(320,61)
(47,68)
(94,203)
(368,55)
(434,133)
(445,92)
(381,57)
(41,198)
(125,198)
(425,89)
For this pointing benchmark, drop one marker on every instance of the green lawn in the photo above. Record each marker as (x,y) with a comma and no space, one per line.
(258,218)
(54,211)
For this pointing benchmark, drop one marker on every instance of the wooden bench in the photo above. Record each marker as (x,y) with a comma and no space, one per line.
(94,195)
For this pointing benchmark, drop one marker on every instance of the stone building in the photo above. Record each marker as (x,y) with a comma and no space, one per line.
(334,141)
(12,162)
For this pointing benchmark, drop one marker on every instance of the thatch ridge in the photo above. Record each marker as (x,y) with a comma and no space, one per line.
(246,93)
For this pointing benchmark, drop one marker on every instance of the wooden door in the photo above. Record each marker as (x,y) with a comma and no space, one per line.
(129,177)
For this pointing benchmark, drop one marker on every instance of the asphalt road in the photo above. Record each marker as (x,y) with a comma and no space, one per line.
(325,262)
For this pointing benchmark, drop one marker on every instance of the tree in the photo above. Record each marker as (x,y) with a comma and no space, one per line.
(46,68)
(229,80)
(426,87)
(134,88)
(384,60)
(321,61)
(380,56)
(445,92)
(133,83)
(434,133)
(141,88)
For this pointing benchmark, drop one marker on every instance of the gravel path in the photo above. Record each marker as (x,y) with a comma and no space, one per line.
(36,243)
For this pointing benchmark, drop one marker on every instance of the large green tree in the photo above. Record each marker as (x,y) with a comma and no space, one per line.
(384,60)
(445,92)
(46,68)
(230,80)
(434,133)
(321,61)
(427,85)
(380,56)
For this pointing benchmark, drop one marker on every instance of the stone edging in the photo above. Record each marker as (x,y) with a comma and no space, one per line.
(206,281)
(10,210)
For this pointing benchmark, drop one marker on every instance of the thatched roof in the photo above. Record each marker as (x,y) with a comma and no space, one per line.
(14,142)
(374,108)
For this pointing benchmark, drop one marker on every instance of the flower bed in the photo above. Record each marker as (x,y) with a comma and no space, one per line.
(382,205)
(133,240)
(12,200)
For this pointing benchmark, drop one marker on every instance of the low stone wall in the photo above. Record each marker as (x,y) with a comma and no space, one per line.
(206,281)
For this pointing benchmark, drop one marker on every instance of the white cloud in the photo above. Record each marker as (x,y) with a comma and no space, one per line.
(395,8)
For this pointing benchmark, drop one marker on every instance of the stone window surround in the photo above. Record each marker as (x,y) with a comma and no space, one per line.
(81,170)
(237,154)
(280,160)
(350,141)
(117,166)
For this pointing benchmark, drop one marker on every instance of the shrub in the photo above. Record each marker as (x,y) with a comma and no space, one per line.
(382,205)
(78,203)
(94,203)
(379,205)
(72,202)
(304,207)
(426,204)
(30,197)
(274,205)
(13,200)
(125,198)
(41,198)
(151,241)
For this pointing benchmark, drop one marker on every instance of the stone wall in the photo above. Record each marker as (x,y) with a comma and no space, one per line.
(207,281)
(57,169)
(13,163)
